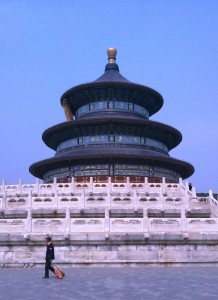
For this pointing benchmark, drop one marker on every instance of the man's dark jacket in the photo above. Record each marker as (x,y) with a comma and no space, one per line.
(50,252)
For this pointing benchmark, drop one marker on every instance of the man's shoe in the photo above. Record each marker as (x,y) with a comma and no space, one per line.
(45,277)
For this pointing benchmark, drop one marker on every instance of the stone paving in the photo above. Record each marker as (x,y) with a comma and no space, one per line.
(172,283)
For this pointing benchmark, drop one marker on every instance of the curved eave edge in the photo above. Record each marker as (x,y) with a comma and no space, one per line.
(39,168)
(115,84)
(69,125)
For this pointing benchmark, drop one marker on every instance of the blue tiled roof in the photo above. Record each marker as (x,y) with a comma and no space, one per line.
(112,74)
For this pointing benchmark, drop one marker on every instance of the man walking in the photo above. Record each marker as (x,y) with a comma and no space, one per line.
(49,257)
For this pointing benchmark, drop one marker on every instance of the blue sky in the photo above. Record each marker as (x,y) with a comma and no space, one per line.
(47,47)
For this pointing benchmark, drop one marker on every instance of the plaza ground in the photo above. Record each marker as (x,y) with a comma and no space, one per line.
(177,283)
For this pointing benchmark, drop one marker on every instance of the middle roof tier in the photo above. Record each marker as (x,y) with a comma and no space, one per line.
(112,126)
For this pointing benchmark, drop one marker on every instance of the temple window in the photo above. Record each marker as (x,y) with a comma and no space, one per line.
(121,105)
(111,104)
(112,169)
(125,139)
(91,106)
(130,106)
(111,138)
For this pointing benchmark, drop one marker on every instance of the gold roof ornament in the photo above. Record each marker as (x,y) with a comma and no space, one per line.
(112,52)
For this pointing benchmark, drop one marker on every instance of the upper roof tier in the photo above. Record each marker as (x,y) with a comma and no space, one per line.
(113,86)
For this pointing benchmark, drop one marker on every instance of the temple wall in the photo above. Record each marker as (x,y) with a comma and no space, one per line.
(116,255)
(107,223)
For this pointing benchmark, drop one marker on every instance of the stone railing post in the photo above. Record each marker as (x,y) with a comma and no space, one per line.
(127,184)
(186,188)
(193,192)
(67,221)
(213,206)
(163,186)
(3,191)
(162,202)
(187,196)
(210,194)
(4,199)
(54,185)
(107,222)
(183,220)
(72,185)
(181,183)
(37,186)
(83,195)
(3,185)
(91,185)
(146,184)
(109,190)
(109,184)
(56,197)
(20,186)
(30,199)
(29,221)
(135,203)
(145,221)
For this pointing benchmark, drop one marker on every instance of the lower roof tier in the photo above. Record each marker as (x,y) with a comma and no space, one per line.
(107,164)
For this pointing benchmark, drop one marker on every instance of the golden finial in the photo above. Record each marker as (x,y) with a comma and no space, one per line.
(112,52)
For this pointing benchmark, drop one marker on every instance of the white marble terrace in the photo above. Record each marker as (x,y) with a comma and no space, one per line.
(106,208)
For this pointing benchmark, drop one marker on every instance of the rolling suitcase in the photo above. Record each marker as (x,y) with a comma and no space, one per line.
(60,274)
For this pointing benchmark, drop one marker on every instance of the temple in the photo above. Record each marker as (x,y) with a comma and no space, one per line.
(108,134)
(111,195)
